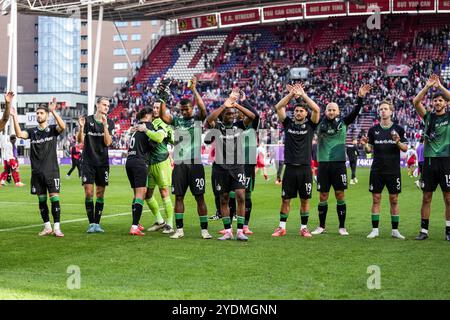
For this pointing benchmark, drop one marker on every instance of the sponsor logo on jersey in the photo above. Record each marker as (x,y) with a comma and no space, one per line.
(385,141)
(96,134)
(42,140)
(298,132)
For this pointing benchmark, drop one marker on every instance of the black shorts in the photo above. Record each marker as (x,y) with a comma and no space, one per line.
(331,174)
(137,175)
(227,180)
(95,174)
(436,171)
(392,181)
(297,179)
(420,168)
(249,170)
(43,182)
(188,175)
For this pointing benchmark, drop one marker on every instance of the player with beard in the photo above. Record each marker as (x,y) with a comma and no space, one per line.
(229,163)
(44,163)
(386,140)
(436,166)
(95,133)
(188,170)
(331,136)
(297,178)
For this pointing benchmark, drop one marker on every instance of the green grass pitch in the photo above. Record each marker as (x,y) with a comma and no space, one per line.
(115,265)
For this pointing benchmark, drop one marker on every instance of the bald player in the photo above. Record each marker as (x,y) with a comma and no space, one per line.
(332,133)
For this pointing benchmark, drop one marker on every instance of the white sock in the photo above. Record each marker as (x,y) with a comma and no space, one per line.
(375,229)
(47,225)
(56,226)
(239,230)
(424,231)
(447,223)
(283,224)
(134,227)
(303,226)
(180,229)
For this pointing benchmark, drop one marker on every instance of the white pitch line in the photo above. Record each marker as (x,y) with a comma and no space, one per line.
(68,221)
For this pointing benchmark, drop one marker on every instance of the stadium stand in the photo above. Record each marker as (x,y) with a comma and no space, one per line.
(341,54)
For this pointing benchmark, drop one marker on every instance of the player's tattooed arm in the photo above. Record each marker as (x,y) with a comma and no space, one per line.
(280,107)
(19,133)
(164,115)
(61,126)
(80,134)
(8,99)
(417,101)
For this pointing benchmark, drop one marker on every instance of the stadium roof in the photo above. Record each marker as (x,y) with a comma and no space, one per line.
(117,10)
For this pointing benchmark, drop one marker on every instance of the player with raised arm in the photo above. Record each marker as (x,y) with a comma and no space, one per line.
(44,163)
(298,136)
(385,140)
(436,166)
(8,99)
(160,168)
(188,170)
(250,158)
(229,162)
(95,133)
(331,136)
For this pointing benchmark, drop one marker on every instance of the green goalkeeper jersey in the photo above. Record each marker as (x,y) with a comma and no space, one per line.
(160,152)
